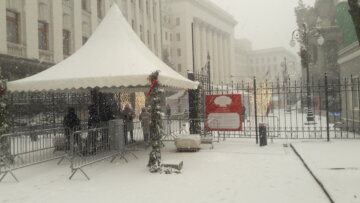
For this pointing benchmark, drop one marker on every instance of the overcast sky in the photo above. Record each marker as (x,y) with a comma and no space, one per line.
(267,23)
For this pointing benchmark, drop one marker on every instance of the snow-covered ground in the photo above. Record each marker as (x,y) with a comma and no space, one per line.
(336,164)
(234,171)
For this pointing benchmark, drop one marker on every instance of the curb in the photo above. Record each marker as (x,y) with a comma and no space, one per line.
(313,175)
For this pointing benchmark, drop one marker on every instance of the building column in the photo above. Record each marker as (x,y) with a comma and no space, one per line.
(215,57)
(158,29)
(221,58)
(151,27)
(203,46)
(145,25)
(210,51)
(57,29)
(94,15)
(31,28)
(226,59)
(137,17)
(77,25)
(197,46)
(3,39)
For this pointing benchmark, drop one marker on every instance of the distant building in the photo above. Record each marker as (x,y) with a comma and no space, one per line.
(273,64)
(242,72)
(196,28)
(35,34)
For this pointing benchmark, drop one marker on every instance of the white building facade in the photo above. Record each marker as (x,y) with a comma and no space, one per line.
(198,29)
(50,30)
(273,64)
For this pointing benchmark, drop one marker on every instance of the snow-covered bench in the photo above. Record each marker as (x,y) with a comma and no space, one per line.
(188,142)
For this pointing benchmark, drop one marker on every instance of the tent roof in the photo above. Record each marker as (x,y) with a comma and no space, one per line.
(114,56)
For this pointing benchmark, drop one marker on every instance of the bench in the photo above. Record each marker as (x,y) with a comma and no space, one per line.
(188,142)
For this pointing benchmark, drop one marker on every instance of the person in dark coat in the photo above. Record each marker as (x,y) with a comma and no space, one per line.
(71,124)
(93,122)
(128,115)
(145,120)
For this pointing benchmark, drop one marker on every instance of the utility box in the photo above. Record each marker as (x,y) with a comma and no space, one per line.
(263,134)
(116,134)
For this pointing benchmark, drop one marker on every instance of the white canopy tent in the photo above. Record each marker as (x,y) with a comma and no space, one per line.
(113,57)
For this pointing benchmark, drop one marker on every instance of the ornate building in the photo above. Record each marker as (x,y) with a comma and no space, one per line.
(199,29)
(320,19)
(35,34)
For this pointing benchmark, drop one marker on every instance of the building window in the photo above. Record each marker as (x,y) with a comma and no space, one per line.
(178,37)
(99,8)
(178,52)
(170,37)
(154,11)
(155,43)
(84,39)
(275,59)
(177,21)
(179,68)
(12,26)
(166,35)
(133,24)
(147,7)
(66,42)
(140,5)
(43,35)
(85,5)
(149,38)
(141,33)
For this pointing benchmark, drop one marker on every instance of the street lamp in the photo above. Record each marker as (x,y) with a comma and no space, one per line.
(302,36)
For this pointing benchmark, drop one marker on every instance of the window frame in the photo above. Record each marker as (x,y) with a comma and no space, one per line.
(99,8)
(17,23)
(68,42)
(85,5)
(44,30)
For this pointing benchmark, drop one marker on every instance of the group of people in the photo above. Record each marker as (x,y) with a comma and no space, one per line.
(71,123)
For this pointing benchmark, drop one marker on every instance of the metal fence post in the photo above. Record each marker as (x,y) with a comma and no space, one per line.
(327,108)
(255,107)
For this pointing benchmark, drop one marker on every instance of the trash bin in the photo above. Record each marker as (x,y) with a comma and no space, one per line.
(262,134)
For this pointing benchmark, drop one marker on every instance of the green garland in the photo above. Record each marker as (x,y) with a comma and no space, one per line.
(156,132)
(5,155)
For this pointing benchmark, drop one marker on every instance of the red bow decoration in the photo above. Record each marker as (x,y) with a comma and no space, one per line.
(152,86)
(2,90)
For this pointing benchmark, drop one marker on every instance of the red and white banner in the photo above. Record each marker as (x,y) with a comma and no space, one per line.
(223,112)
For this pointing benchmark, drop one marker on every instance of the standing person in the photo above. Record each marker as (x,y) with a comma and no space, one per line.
(71,123)
(145,120)
(93,123)
(128,115)
(168,111)
(243,113)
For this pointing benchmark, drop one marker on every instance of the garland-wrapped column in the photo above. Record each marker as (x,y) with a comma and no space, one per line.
(4,125)
(155,124)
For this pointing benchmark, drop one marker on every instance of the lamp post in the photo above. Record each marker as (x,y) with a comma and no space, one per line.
(302,35)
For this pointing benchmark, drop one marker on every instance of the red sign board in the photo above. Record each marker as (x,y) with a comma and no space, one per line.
(223,112)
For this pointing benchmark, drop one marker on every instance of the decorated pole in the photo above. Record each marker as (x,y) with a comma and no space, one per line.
(4,124)
(155,124)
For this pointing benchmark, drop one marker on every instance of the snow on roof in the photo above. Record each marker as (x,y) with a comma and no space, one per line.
(114,56)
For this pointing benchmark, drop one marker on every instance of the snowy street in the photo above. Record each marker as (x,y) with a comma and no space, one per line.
(234,171)
(336,165)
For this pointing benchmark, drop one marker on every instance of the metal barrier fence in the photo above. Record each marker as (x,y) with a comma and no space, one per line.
(113,141)
(29,148)
(81,147)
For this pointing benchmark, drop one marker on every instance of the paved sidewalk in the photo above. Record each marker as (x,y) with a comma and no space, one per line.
(234,171)
(336,164)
